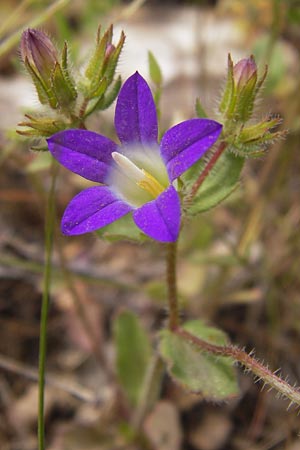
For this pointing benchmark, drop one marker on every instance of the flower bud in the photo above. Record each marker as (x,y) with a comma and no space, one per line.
(241,89)
(52,80)
(39,52)
(243,71)
(100,71)
(110,48)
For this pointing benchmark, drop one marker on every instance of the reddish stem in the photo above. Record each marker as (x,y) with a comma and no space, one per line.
(207,170)
(245,360)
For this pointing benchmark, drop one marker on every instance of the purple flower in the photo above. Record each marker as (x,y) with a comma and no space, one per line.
(138,176)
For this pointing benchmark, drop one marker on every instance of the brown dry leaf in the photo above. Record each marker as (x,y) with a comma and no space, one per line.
(82,316)
(294,446)
(163,427)
(24,410)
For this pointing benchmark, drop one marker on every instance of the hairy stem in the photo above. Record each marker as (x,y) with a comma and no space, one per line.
(214,158)
(82,113)
(49,232)
(171,250)
(247,361)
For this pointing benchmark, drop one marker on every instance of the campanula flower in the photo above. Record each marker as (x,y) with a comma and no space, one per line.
(137,176)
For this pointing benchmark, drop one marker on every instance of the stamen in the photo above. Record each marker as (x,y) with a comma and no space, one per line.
(142,178)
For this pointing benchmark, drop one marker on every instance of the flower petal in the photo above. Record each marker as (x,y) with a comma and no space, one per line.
(86,153)
(135,117)
(92,209)
(185,143)
(160,218)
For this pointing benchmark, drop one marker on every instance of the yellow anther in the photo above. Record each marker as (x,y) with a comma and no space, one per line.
(151,185)
(142,178)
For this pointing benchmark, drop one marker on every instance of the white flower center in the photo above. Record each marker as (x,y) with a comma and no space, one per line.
(139,176)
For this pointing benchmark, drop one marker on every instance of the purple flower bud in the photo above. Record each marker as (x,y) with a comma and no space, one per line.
(244,70)
(109,50)
(38,51)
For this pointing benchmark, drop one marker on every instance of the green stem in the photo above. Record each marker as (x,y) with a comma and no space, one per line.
(49,232)
(172,284)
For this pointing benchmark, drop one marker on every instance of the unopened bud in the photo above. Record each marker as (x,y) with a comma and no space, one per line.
(241,89)
(51,79)
(38,50)
(243,71)
(109,50)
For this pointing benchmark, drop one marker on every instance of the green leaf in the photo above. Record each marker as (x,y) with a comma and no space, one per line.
(154,69)
(200,111)
(123,229)
(195,370)
(218,185)
(42,162)
(133,353)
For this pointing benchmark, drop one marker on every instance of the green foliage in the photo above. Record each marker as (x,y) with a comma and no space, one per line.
(154,69)
(123,229)
(217,186)
(133,354)
(198,371)
(200,111)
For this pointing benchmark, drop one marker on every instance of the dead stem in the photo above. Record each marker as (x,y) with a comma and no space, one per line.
(31,373)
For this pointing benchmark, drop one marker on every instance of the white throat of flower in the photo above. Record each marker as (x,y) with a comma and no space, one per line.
(139,176)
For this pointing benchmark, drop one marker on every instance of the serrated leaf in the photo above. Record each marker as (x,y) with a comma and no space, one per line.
(123,229)
(218,185)
(133,354)
(154,69)
(195,370)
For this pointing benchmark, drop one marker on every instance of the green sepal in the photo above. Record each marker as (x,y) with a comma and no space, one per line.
(123,229)
(200,111)
(98,89)
(261,80)
(245,100)
(197,371)
(45,94)
(66,72)
(94,69)
(61,87)
(228,98)
(105,101)
(257,132)
(110,63)
(41,126)
(222,180)
(251,141)
(154,69)
(134,352)
(43,161)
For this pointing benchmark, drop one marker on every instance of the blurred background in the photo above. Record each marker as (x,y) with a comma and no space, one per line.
(238,263)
